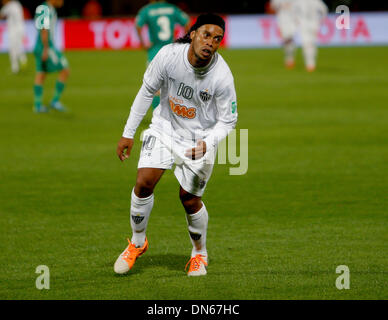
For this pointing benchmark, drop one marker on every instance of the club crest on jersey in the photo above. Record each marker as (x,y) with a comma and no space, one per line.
(205,95)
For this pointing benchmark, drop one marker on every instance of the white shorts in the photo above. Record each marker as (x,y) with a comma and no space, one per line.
(16,42)
(161,151)
(309,33)
(287,25)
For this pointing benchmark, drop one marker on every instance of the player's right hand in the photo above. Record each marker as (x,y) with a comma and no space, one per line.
(124,148)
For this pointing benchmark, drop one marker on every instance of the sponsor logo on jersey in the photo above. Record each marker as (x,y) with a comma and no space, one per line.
(183,111)
(205,95)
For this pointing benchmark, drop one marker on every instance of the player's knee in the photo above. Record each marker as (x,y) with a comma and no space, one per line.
(190,202)
(144,187)
(65,73)
(39,78)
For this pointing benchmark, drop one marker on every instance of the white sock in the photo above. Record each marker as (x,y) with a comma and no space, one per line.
(14,61)
(289,52)
(140,213)
(197,225)
(310,54)
(23,58)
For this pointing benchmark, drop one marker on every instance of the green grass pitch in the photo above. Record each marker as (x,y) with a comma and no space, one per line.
(314,197)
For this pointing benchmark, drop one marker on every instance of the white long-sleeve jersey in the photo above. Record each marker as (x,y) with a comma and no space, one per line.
(195,103)
(286,17)
(310,12)
(13,11)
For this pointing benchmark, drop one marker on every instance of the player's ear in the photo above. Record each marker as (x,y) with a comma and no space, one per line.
(192,34)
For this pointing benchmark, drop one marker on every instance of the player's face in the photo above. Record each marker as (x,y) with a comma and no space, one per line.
(206,40)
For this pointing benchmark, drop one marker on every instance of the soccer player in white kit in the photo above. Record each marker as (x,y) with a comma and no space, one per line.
(13,12)
(197,110)
(288,25)
(310,15)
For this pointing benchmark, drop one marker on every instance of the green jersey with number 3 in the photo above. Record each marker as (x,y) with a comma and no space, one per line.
(160,17)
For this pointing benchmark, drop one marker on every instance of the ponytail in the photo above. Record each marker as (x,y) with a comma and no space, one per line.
(186,38)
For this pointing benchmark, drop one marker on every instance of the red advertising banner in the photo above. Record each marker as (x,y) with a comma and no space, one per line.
(100,34)
(113,34)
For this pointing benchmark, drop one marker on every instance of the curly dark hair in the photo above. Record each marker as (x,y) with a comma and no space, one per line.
(207,18)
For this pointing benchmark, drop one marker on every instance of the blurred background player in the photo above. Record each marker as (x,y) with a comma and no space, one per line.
(288,25)
(13,12)
(310,15)
(49,58)
(160,17)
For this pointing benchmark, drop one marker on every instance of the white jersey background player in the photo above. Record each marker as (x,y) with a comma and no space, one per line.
(13,12)
(288,25)
(310,14)
(197,110)
(306,17)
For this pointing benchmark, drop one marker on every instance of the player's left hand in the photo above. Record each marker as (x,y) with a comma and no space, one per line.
(198,152)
